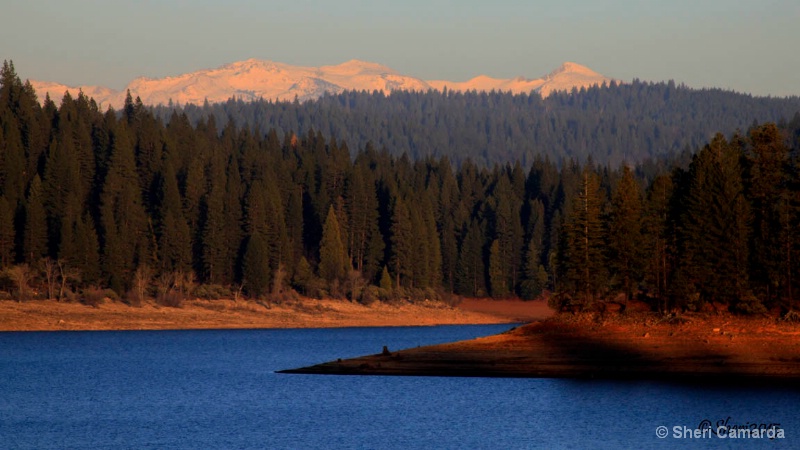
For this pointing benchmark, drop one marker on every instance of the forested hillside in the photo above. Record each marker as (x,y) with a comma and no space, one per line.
(122,200)
(619,123)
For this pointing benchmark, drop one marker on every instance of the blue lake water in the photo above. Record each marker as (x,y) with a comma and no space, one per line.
(219,389)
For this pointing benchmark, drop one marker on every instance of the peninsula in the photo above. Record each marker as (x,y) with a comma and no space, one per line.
(693,347)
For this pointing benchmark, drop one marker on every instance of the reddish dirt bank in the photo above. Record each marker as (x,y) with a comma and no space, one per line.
(713,348)
(303,313)
(515,310)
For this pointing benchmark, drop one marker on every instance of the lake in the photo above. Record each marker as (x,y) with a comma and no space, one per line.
(218,389)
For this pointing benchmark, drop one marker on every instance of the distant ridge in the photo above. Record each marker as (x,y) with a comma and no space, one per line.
(567,76)
(253,79)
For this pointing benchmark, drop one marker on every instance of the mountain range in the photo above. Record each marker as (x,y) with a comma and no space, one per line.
(254,79)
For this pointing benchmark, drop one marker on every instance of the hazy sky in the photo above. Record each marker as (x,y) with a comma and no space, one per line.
(745,45)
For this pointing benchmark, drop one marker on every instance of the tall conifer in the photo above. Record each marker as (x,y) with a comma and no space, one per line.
(255,270)
(35,237)
(585,271)
(6,233)
(625,241)
(402,243)
(332,256)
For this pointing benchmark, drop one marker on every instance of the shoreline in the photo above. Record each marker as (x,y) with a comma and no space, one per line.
(717,349)
(50,315)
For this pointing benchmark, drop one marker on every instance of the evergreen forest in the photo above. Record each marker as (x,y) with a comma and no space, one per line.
(615,124)
(152,206)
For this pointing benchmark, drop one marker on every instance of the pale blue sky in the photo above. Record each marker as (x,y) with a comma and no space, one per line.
(745,45)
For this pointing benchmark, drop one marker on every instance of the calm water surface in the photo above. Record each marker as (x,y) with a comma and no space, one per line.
(218,389)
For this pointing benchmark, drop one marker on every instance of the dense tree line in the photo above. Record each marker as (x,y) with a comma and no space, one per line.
(126,201)
(627,122)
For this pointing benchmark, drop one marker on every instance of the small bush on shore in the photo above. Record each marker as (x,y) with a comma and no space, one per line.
(93,296)
(749,304)
(212,292)
(132,298)
(369,295)
(171,299)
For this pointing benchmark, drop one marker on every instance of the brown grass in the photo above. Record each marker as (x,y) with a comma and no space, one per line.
(46,315)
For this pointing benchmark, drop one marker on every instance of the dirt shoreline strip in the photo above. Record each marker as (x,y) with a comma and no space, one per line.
(715,349)
(48,315)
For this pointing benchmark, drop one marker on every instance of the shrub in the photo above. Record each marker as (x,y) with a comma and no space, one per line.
(171,299)
(791,316)
(132,298)
(369,295)
(71,296)
(749,304)
(452,300)
(212,292)
(384,294)
(93,297)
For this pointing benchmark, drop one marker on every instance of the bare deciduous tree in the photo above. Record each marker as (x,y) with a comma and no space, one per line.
(188,283)
(65,274)
(277,281)
(50,269)
(237,291)
(141,280)
(21,275)
(356,284)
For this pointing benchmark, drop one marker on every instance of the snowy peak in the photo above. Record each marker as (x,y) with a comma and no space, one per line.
(573,68)
(571,75)
(567,76)
(357,67)
(253,79)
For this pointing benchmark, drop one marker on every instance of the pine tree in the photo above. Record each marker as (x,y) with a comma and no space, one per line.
(35,237)
(362,210)
(214,247)
(232,214)
(86,114)
(585,264)
(294,227)
(402,243)
(303,276)
(386,280)
(433,241)
(256,210)
(448,225)
(535,275)
(498,283)
(7,233)
(768,180)
(12,158)
(255,270)
(715,227)
(332,256)
(659,238)
(277,236)
(174,236)
(507,230)
(471,278)
(78,251)
(123,218)
(625,241)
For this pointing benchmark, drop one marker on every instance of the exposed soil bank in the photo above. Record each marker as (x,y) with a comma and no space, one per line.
(50,315)
(704,348)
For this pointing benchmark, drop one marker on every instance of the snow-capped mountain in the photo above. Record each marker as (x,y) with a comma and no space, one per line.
(567,76)
(254,79)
